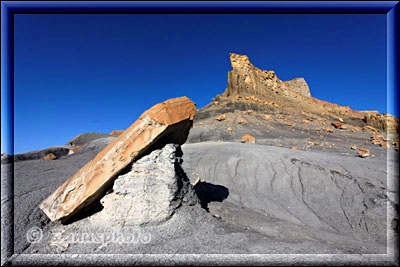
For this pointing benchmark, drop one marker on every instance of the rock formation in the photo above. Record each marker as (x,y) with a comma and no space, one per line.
(50,156)
(382,122)
(167,122)
(248,139)
(150,192)
(245,78)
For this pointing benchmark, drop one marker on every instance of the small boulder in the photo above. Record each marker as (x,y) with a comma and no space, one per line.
(229,129)
(363,152)
(385,144)
(248,139)
(354,147)
(221,117)
(50,156)
(241,122)
(294,148)
(267,117)
(337,124)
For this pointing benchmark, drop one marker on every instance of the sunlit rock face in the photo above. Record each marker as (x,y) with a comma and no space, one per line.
(245,78)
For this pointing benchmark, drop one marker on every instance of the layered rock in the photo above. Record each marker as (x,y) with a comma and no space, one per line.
(245,78)
(167,122)
(150,192)
(383,122)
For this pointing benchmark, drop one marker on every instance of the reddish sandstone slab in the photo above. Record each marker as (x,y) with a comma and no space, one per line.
(167,122)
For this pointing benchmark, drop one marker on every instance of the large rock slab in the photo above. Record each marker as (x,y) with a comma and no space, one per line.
(150,192)
(167,122)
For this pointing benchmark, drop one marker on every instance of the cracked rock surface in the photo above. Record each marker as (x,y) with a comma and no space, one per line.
(261,200)
(150,192)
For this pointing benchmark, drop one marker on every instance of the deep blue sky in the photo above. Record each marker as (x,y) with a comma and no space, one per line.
(83,73)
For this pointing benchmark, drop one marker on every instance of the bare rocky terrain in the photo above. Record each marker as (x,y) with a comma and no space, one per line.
(297,190)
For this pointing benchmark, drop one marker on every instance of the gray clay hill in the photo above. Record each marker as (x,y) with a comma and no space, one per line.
(264,174)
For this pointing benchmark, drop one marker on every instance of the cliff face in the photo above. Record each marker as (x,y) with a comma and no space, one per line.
(245,78)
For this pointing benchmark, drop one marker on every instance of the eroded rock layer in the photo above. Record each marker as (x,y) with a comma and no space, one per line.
(246,78)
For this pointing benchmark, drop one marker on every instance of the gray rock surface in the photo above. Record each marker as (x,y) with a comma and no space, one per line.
(150,192)
(299,194)
(85,138)
(32,181)
(299,210)
(58,151)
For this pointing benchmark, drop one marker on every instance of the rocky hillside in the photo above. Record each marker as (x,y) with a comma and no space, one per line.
(283,113)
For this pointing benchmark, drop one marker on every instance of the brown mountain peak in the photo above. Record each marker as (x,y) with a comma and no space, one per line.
(245,78)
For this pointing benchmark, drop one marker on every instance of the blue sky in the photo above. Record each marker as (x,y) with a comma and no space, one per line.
(83,73)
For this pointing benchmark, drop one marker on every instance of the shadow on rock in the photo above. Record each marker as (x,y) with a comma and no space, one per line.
(208,192)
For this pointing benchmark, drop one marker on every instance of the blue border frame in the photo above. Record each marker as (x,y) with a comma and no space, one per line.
(9,8)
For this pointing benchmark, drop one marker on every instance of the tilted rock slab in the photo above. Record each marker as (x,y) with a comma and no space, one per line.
(150,193)
(167,122)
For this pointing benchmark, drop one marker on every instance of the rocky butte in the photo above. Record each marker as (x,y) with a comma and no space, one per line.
(257,103)
(247,79)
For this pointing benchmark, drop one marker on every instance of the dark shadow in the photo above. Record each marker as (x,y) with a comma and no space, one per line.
(207,193)
(84,213)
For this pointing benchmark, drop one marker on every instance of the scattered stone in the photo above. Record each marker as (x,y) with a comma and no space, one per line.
(229,129)
(294,147)
(201,123)
(221,117)
(50,156)
(363,152)
(376,142)
(169,121)
(248,139)
(340,119)
(290,123)
(339,125)
(329,130)
(151,191)
(267,117)
(249,111)
(117,132)
(385,144)
(241,122)
(355,129)
(354,147)
(306,121)
(239,97)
